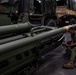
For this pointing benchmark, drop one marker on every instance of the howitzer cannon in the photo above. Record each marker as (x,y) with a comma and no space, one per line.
(14,32)
(20,57)
(16,28)
(17,31)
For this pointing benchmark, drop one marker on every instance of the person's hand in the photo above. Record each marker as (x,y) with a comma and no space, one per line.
(64,44)
(72,44)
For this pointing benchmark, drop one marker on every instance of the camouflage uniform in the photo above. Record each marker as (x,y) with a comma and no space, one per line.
(70,64)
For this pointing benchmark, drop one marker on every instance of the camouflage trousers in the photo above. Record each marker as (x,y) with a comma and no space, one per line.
(73,54)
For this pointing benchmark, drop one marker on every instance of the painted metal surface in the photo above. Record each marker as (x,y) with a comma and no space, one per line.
(32,40)
(9,29)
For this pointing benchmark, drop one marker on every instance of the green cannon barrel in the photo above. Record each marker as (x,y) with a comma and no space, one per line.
(16,28)
(16,56)
(31,40)
(12,38)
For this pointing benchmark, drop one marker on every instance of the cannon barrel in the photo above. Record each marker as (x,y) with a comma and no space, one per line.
(16,28)
(12,38)
(31,40)
(22,56)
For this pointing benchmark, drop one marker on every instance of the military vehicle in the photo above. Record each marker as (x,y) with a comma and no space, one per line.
(43,12)
(23,45)
(8,12)
(54,12)
(66,12)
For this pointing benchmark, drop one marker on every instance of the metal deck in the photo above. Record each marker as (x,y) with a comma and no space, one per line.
(53,64)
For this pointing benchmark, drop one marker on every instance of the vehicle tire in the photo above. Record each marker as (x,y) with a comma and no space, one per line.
(72,21)
(45,19)
(52,23)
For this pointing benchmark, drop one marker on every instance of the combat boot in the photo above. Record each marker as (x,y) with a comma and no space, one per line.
(69,65)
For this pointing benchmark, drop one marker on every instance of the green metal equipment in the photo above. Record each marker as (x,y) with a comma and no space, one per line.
(21,56)
(16,28)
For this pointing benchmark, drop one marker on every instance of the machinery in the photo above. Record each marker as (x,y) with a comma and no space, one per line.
(8,12)
(35,11)
(53,12)
(23,45)
(48,12)
(42,11)
(56,13)
(66,12)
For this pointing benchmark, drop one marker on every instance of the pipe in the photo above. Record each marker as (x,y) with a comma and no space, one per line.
(9,39)
(9,29)
(31,40)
